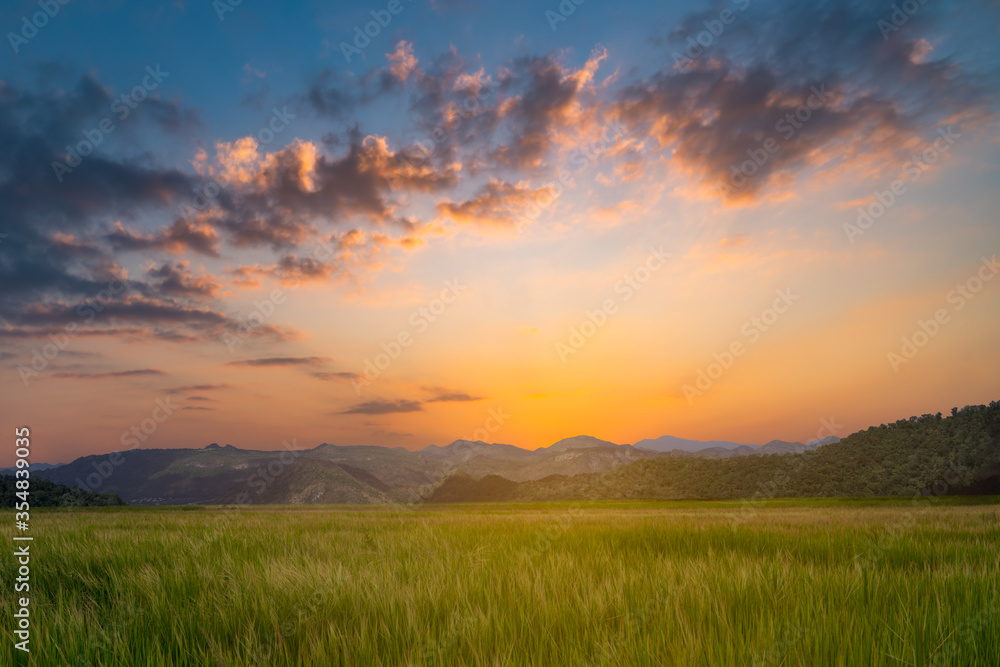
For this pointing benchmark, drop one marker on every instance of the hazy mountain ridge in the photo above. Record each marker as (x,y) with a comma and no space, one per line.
(366,473)
(564,462)
(575,467)
(34,466)
(463,450)
(215,474)
(310,481)
(928,455)
(579,442)
(669,444)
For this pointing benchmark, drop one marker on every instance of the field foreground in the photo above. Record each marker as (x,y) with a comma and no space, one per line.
(612,583)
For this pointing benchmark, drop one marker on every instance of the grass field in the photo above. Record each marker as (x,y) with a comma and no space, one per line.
(629,583)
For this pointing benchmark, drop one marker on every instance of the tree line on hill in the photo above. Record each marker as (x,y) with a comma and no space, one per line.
(43,493)
(928,455)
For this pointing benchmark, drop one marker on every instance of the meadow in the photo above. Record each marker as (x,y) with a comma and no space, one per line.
(777,582)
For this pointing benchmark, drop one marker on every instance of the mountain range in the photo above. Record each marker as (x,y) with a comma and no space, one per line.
(580,466)
(351,474)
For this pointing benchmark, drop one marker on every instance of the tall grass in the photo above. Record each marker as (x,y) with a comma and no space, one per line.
(803,583)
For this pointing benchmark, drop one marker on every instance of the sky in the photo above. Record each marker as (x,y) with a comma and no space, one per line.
(402,223)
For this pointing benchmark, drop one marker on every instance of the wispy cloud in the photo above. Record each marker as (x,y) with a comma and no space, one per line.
(184,389)
(334,375)
(104,376)
(380,407)
(281,361)
(454,397)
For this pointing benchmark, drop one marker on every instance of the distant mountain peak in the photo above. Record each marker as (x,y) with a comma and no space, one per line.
(669,443)
(782,447)
(462,444)
(459,451)
(579,442)
(779,443)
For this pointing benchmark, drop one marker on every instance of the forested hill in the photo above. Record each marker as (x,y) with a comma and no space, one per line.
(932,454)
(43,493)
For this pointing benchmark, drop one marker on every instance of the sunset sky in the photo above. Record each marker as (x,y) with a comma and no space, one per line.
(547,223)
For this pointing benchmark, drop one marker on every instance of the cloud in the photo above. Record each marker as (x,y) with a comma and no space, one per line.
(312,365)
(282,195)
(176,280)
(158,317)
(59,264)
(497,203)
(828,90)
(281,361)
(182,236)
(457,397)
(330,95)
(344,375)
(290,270)
(380,407)
(541,110)
(105,376)
(305,363)
(402,62)
(484,139)
(197,387)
